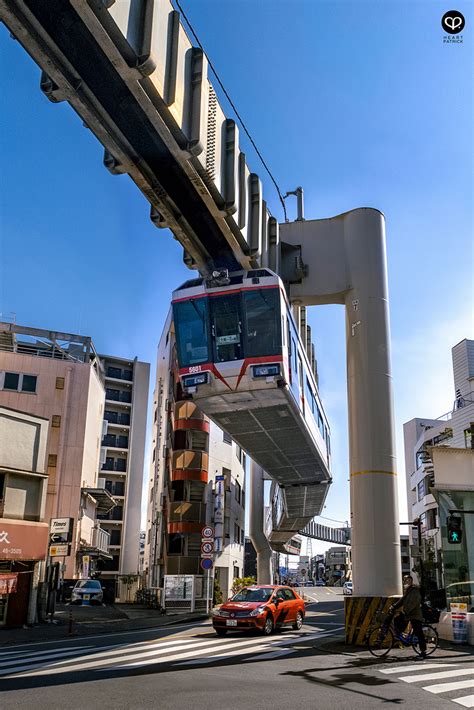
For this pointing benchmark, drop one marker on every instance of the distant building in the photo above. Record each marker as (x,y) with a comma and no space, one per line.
(336,564)
(405,554)
(439,463)
(122,465)
(250,561)
(197,478)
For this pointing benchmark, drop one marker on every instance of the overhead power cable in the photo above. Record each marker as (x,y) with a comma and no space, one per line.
(234,108)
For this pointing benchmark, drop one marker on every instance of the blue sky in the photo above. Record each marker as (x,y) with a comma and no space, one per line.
(359,102)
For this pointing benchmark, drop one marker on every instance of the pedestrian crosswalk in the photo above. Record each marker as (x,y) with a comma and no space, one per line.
(181,650)
(448,678)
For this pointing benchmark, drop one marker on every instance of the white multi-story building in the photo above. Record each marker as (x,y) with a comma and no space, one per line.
(197,478)
(122,462)
(439,463)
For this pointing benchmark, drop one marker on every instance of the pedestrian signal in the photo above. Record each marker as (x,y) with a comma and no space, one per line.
(454,525)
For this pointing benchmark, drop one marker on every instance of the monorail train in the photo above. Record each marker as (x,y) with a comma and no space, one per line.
(241,358)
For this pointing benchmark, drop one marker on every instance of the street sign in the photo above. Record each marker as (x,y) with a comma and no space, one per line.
(207,548)
(58,538)
(206,563)
(207,531)
(60,550)
(61,525)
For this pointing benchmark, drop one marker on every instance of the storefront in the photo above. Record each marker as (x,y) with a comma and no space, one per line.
(23,545)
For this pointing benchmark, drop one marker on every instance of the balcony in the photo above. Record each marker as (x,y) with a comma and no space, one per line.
(100,539)
(117,465)
(183,565)
(115,441)
(188,465)
(119,373)
(186,511)
(117,418)
(188,416)
(113,395)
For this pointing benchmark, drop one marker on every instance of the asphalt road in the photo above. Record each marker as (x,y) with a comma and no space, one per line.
(188,665)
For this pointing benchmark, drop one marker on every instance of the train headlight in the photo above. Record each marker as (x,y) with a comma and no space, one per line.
(266,370)
(195,380)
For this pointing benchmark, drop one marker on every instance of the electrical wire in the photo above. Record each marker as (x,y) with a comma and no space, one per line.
(343,522)
(234,108)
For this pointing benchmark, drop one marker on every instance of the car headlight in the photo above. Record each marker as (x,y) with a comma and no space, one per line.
(259,610)
(221,613)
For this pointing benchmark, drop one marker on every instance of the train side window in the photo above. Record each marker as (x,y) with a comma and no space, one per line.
(300,368)
(289,349)
(294,361)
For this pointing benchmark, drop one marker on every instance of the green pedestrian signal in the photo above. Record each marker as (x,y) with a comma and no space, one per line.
(454,525)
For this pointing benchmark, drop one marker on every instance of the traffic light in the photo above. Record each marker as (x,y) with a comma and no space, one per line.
(454,525)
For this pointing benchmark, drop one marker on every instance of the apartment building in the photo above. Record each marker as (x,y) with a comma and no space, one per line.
(197,478)
(439,463)
(57,377)
(122,465)
(337,564)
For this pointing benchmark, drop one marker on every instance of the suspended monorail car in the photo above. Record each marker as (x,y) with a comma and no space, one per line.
(241,358)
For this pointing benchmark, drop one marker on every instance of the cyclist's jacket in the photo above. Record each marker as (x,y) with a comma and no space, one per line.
(411,604)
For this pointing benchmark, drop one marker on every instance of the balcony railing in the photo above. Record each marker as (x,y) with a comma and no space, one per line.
(185,511)
(118,442)
(119,374)
(100,538)
(122,418)
(119,465)
(188,410)
(118,395)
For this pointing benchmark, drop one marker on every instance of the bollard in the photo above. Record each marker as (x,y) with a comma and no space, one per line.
(71,631)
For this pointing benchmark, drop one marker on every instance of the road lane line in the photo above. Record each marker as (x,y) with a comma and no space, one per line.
(399,668)
(448,687)
(467,701)
(437,676)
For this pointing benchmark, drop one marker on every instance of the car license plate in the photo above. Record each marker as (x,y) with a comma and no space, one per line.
(231,622)
(86,596)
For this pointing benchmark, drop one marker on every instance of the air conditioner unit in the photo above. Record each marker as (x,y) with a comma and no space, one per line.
(105,427)
(103,455)
(101,483)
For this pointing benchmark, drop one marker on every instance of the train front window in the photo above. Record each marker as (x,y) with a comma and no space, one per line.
(191,318)
(262,316)
(226,328)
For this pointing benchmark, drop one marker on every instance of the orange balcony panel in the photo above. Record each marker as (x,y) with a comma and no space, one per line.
(187,409)
(196,424)
(184,527)
(180,474)
(187,459)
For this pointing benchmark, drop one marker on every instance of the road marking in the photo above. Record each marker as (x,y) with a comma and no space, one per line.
(467,701)
(448,687)
(436,676)
(407,669)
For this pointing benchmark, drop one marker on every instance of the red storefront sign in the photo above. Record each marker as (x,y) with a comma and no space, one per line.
(8,582)
(23,540)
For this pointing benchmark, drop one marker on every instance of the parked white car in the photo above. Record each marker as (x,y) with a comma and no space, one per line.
(88,591)
(347,588)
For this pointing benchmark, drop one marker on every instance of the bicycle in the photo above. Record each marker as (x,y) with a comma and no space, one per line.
(380,640)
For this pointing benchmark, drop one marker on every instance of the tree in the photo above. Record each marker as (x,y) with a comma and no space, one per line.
(240,582)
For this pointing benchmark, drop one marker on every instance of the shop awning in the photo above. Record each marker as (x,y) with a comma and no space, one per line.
(8,582)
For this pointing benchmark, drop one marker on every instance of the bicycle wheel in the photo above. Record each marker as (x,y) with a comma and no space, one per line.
(431,638)
(380,641)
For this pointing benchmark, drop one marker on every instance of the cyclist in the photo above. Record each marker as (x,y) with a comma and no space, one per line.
(411,612)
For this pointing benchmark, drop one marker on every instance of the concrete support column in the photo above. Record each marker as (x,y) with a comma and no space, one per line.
(257,533)
(373,473)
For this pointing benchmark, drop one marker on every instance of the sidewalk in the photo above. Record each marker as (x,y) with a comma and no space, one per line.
(92,620)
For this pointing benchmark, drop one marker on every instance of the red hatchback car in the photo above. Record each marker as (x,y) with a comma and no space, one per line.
(262,607)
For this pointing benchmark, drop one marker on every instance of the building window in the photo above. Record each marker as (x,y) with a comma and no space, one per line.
(236,534)
(17,382)
(115,537)
(56,420)
(11,381)
(236,572)
(238,491)
(52,460)
(243,500)
(226,438)
(242,537)
(59,383)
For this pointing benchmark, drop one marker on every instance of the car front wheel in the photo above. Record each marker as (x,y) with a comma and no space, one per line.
(298,621)
(221,632)
(268,626)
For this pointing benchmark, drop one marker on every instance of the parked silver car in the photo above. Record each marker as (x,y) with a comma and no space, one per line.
(88,591)
(347,588)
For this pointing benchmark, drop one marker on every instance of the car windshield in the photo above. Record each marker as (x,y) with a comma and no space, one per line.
(89,583)
(250,594)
